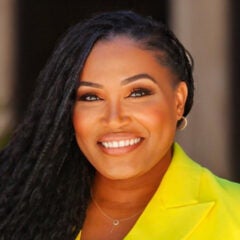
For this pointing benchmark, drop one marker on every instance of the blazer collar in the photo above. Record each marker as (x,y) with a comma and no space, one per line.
(181,183)
(175,210)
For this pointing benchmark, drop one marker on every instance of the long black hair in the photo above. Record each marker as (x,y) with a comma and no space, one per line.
(45,179)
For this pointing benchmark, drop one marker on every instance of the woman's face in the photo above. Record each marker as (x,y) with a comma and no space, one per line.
(126,109)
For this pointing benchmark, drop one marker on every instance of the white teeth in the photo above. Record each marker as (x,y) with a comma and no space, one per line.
(121,143)
(115,144)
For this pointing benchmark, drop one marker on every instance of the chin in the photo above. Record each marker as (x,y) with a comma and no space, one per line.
(120,174)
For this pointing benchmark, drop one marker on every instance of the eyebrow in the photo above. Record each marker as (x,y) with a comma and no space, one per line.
(137,77)
(89,84)
(123,82)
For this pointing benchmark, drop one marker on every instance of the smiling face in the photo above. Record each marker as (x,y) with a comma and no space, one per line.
(126,109)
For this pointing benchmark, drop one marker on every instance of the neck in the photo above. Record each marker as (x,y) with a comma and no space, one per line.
(128,194)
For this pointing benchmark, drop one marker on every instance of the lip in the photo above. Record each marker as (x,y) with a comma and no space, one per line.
(120,143)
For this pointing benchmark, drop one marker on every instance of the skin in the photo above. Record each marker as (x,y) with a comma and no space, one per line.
(124,96)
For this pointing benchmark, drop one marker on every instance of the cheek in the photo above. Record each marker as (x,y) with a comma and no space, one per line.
(80,124)
(157,115)
(83,116)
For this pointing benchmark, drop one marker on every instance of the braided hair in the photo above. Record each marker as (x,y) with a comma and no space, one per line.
(45,179)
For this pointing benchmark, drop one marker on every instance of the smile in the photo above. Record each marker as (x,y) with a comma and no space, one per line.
(121,143)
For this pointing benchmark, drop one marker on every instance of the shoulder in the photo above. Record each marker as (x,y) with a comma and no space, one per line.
(226,197)
(225,189)
(211,186)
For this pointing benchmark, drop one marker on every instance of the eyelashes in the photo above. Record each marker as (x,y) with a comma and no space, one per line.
(135,93)
(140,92)
(89,97)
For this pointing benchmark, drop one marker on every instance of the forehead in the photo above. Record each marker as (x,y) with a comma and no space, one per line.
(117,44)
(123,56)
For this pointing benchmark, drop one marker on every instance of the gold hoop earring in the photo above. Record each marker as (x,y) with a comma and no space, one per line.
(182,123)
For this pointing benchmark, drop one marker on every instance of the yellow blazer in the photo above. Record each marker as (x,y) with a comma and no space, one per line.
(191,203)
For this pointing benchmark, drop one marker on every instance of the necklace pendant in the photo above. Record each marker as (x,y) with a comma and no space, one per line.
(115,222)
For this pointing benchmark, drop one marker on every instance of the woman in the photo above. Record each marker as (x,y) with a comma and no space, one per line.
(95,157)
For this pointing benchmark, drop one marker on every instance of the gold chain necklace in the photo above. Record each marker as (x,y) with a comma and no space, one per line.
(115,221)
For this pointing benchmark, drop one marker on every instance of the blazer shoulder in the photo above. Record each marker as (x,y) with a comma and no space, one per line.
(221,189)
(229,188)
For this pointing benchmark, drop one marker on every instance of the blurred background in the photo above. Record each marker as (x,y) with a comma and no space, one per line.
(210,30)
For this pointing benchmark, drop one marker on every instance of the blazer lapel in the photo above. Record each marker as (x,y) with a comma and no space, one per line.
(175,210)
(175,223)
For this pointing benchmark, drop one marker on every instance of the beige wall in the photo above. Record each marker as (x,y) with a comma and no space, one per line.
(7,50)
(203,28)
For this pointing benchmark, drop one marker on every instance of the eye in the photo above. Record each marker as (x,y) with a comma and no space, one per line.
(89,97)
(140,92)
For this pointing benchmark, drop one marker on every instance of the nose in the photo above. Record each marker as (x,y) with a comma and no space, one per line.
(116,115)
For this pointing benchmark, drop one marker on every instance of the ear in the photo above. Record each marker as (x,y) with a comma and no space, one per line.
(181,93)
